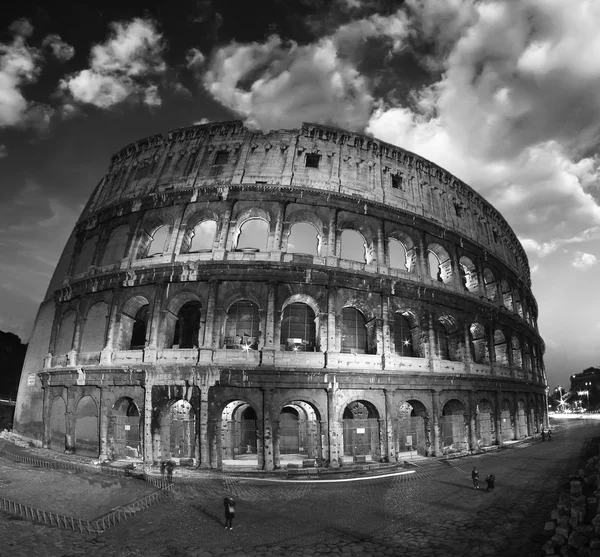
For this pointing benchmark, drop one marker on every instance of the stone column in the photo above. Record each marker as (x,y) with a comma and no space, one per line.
(72,354)
(386,350)
(276,448)
(435,410)
(269,346)
(268,451)
(112,332)
(155,322)
(467,359)
(381,247)
(492,347)
(225,226)
(422,263)
(457,274)
(333,433)
(332,237)
(331,320)
(324,442)
(473,445)
(480,279)
(498,418)
(516,416)
(213,428)
(207,342)
(433,354)
(203,432)
(389,420)
(47,413)
(104,411)
(148,446)
(276,246)
(70,422)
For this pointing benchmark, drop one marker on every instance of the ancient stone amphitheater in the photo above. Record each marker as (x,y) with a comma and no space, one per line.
(232,297)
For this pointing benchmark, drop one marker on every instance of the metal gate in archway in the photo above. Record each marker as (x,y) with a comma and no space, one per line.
(454,433)
(409,434)
(289,433)
(182,438)
(125,432)
(361,437)
(484,428)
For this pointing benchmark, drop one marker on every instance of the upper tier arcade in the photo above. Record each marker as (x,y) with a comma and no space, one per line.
(316,157)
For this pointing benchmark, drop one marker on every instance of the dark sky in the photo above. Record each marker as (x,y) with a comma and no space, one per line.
(504,94)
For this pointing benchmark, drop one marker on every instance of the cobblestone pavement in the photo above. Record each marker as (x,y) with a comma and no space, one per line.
(434,512)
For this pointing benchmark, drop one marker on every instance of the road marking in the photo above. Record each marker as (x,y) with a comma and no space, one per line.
(323,481)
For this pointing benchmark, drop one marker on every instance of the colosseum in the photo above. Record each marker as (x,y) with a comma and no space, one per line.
(231,297)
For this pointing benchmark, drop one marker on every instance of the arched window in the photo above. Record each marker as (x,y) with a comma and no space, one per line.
(254,234)
(402,336)
(86,256)
(243,326)
(203,236)
(353,246)
(158,243)
(140,325)
(354,332)
(398,257)
(298,328)
(64,342)
(435,269)
(441,340)
(94,330)
(304,239)
(507,295)
(115,247)
(468,273)
(479,344)
(500,349)
(489,280)
(517,358)
(187,325)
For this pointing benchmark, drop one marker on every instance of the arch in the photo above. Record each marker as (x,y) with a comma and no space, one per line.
(298,328)
(87,438)
(252,235)
(95,327)
(361,430)
(407,248)
(485,423)
(518,306)
(187,326)
(179,438)
(304,238)
(124,429)
(239,433)
(86,255)
(447,337)
(517,358)
(454,426)
(507,423)
(440,266)
(242,326)
(489,281)
(507,293)
(399,255)
(404,334)
(157,242)
(116,245)
(479,344)
(66,332)
(353,246)
(201,238)
(410,428)
(58,427)
(133,326)
(354,332)
(468,273)
(500,348)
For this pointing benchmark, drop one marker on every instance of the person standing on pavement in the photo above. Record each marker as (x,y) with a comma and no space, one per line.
(489,480)
(475,477)
(543,435)
(549,435)
(229,512)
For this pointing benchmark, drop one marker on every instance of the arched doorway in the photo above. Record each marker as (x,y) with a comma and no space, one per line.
(522,418)
(298,434)
(507,421)
(361,431)
(181,439)
(124,437)
(454,427)
(486,430)
(410,428)
(238,435)
(57,424)
(87,440)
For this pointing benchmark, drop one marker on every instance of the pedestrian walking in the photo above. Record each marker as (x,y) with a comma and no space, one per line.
(489,480)
(475,477)
(549,435)
(229,512)
(170,466)
(543,435)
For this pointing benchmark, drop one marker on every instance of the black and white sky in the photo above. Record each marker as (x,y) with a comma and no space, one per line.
(504,94)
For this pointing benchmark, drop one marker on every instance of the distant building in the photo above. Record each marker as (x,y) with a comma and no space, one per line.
(585,387)
(207,308)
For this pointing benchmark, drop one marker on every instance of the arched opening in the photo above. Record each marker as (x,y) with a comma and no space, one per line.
(158,242)
(403,335)
(187,326)
(58,428)
(94,331)
(489,281)
(139,328)
(517,359)
(124,430)
(440,266)
(447,338)
(522,418)
(435,269)
(398,255)
(298,331)
(64,341)
(86,256)
(500,348)
(468,273)
(242,329)
(253,236)
(304,238)
(116,245)
(133,324)
(289,430)
(299,433)
(507,294)
(410,429)
(87,440)
(179,438)
(517,304)
(486,429)
(353,246)
(239,443)
(361,431)
(479,344)
(203,237)
(506,421)
(454,427)
(354,332)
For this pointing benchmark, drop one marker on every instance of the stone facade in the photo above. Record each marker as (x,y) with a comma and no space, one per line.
(212,305)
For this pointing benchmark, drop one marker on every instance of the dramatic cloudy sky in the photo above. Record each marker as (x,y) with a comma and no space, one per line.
(504,94)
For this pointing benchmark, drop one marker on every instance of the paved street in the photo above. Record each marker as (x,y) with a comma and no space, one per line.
(433,512)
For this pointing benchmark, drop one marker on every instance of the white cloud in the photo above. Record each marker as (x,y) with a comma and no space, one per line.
(121,67)
(60,49)
(584,261)
(202,121)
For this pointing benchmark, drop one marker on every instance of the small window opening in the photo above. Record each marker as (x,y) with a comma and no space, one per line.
(312,160)
(221,158)
(397,181)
